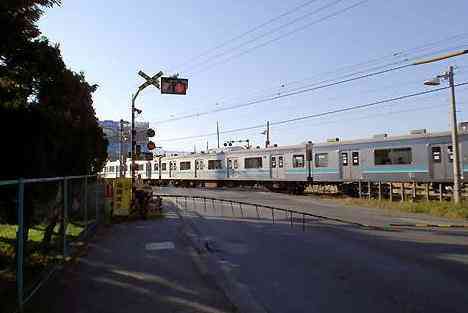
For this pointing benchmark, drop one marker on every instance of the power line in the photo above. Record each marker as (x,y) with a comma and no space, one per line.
(287,94)
(322,19)
(249,31)
(272,31)
(351,108)
(308,87)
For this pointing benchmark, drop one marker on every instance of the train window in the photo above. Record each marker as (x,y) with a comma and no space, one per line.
(236,164)
(202,164)
(163,166)
(392,156)
(344,158)
(184,165)
(215,164)
(273,161)
(253,162)
(280,161)
(229,163)
(140,167)
(298,160)
(450,153)
(156,166)
(436,155)
(355,156)
(321,160)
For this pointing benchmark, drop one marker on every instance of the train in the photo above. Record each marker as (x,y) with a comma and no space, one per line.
(417,157)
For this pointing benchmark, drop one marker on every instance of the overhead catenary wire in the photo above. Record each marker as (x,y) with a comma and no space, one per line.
(272,98)
(330,112)
(295,30)
(277,92)
(265,34)
(249,31)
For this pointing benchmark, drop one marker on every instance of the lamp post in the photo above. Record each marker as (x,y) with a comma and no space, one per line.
(453,123)
(453,116)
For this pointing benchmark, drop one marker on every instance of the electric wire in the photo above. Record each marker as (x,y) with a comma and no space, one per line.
(263,35)
(249,31)
(274,39)
(330,112)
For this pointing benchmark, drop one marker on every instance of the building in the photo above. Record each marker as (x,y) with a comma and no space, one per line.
(116,147)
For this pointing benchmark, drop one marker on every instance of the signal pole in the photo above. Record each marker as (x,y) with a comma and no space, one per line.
(217,131)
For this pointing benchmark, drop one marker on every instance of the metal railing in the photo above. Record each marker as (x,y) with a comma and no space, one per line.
(276,215)
(41,221)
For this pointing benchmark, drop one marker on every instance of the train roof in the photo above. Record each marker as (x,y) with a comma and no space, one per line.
(386,138)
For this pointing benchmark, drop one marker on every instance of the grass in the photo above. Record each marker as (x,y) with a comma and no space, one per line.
(36,260)
(441,209)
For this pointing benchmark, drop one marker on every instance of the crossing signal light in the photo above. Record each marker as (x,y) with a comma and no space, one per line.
(174,86)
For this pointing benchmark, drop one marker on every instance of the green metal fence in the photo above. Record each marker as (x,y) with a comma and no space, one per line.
(42,220)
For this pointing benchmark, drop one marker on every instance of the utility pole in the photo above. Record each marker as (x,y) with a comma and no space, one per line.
(267,143)
(207,146)
(122,157)
(453,115)
(455,152)
(217,131)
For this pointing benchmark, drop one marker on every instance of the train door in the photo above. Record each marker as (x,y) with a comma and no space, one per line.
(233,167)
(277,166)
(350,164)
(198,167)
(148,170)
(441,162)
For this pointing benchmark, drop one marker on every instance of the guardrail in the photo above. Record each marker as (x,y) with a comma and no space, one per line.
(294,217)
(39,226)
(304,217)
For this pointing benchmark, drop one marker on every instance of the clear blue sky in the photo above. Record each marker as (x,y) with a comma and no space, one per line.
(111,41)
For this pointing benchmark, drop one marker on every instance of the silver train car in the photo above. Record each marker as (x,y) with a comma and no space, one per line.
(419,157)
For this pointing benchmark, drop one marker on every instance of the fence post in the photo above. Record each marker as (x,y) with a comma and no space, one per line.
(242,212)
(258,214)
(402,192)
(303,222)
(391,192)
(291,215)
(360,189)
(427,191)
(204,201)
(273,215)
(65,216)
(232,209)
(441,193)
(380,191)
(20,245)
(369,190)
(86,206)
(96,200)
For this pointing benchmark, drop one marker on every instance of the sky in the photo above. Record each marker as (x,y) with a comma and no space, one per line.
(236,52)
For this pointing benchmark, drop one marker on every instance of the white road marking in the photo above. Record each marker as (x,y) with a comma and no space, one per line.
(164,245)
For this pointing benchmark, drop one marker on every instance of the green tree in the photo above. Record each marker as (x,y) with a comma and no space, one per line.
(47,120)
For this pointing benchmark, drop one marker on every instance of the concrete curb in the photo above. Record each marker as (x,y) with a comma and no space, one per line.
(211,267)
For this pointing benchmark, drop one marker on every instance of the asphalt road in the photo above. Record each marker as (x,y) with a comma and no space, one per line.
(333,267)
(378,217)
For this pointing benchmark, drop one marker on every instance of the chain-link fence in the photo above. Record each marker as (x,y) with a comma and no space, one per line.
(42,221)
